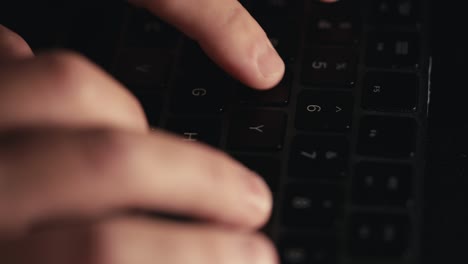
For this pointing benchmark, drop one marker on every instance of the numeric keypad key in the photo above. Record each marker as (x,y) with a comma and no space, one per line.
(324,111)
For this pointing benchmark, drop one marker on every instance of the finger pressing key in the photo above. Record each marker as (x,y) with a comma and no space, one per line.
(228,34)
(52,175)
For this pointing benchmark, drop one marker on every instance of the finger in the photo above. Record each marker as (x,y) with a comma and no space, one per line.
(66,90)
(12,46)
(228,34)
(142,241)
(47,176)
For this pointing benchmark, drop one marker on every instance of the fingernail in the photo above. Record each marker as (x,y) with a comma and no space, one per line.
(260,195)
(269,62)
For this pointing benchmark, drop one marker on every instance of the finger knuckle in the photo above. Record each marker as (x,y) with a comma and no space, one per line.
(72,75)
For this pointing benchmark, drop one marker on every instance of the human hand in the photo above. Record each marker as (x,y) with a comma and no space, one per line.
(228,34)
(77,160)
(76,156)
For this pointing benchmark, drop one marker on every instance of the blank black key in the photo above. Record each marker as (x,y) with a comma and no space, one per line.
(277,96)
(378,235)
(393,50)
(329,66)
(387,136)
(148,68)
(257,130)
(324,111)
(394,11)
(318,157)
(303,249)
(382,184)
(385,91)
(268,168)
(312,205)
(207,130)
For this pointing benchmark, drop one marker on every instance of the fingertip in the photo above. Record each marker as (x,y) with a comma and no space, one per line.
(270,67)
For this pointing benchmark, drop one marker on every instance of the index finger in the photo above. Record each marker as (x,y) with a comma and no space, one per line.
(228,34)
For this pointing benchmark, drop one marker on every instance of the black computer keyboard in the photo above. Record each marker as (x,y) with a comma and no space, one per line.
(341,140)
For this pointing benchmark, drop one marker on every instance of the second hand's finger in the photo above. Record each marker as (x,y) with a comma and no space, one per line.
(138,241)
(228,34)
(12,46)
(64,90)
(56,175)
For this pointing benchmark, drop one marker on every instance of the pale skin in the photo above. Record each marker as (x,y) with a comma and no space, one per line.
(76,156)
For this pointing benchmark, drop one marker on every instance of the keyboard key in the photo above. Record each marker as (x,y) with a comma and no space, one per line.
(324,111)
(277,96)
(318,157)
(201,96)
(390,91)
(280,21)
(312,205)
(378,235)
(383,184)
(387,136)
(394,11)
(302,249)
(200,85)
(148,68)
(207,130)
(145,30)
(283,35)
(261,130)
(335,23)
(393,50)
(329,66)
(268,168)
